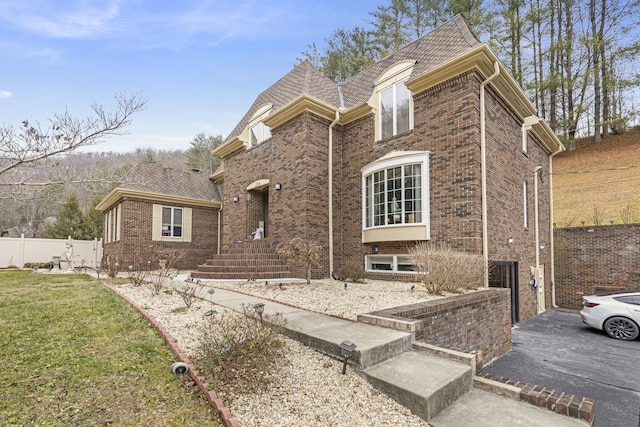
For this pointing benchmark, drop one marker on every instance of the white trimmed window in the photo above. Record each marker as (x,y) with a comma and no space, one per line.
(171,223)
(258,131)
(395,195)
(112,225)
(393,102)
(394,110)
(389,264)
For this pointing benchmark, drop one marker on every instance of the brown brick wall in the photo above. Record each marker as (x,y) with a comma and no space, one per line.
(475,322)
(595,260)
(447,124)
(136,247)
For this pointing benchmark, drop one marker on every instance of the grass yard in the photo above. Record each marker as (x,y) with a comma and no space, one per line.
(74,353)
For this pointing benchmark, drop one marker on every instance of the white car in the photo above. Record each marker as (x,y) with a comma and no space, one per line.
(618,315)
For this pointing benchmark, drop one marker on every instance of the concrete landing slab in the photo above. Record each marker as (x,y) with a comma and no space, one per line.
(422,383)
(480,408)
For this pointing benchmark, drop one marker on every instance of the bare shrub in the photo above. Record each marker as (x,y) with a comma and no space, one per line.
(111,265)
(443,269)
(239,350)
(355,272)
(139,276)
(188,294)
(598,215)
(627,214)
(301,251)
(571,221)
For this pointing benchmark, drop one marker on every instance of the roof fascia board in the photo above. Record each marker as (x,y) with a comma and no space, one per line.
(229,147)
(482,58)
(297,106)
(119,193)
(354,113)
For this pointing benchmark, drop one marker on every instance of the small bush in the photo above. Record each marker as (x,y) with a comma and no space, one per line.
(443,269)
(301,251)
(355,272)
(239,350)
(187,293)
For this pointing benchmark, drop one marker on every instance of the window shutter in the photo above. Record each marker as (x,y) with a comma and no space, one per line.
(156,226)
(186,224)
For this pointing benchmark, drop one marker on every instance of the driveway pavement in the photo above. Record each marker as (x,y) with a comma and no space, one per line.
(556,350)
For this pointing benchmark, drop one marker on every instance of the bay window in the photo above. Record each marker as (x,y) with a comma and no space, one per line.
(395,194)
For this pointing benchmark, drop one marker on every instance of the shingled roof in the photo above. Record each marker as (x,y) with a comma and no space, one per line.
(444,43)
(153,178)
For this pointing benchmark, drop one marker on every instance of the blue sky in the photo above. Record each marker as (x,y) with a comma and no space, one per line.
(200,64)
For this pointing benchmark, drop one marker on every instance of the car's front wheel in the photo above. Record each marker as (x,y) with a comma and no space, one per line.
(621,328)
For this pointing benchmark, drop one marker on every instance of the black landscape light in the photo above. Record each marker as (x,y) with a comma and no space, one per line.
(179,368)
(347,349)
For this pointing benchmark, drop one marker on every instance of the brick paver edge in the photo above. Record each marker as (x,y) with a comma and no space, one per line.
(212,398)
(567,404)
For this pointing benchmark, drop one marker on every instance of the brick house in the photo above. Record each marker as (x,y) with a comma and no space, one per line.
(436,142)
(155,210)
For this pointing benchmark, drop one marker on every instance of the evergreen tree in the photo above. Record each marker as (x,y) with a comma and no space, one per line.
(70,221)
(200,154)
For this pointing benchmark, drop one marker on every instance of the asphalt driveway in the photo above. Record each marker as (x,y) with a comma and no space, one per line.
(556,350)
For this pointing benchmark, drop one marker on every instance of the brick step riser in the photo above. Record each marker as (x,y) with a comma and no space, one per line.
(224,263)
(259,276)
(232,257)
(242,269)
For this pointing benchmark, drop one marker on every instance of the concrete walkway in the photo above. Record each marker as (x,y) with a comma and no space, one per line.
(438,390)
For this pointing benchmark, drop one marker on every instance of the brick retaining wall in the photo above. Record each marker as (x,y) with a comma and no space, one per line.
(478,322)
(595,260)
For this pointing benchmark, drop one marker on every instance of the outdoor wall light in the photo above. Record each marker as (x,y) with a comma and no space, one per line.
(374,250)
(347,349)
(278,186)
(236,199)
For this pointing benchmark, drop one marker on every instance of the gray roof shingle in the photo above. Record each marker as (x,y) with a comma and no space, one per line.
(444,43)
(154,178)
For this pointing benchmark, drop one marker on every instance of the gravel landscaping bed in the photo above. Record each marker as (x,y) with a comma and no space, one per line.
(308,389)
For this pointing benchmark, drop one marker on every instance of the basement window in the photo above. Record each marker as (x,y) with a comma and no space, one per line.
(389,264)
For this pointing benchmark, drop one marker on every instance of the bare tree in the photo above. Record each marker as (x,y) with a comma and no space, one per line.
(32,143)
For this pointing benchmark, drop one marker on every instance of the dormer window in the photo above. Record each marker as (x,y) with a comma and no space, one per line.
(392,101)
(258,131)
(394,110)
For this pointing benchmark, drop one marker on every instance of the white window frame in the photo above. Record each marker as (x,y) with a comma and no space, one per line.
(398,263)
(257,131)
(156,224)
(172,222)
(395,107)
(112,222)
(397,74)
(415,222)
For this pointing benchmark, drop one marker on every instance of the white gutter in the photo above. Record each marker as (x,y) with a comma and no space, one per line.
(483,166)
(335,122)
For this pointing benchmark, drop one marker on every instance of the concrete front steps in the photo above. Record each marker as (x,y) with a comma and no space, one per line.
(254,259)
(422,383)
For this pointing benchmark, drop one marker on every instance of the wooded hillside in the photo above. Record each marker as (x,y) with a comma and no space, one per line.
(598,182)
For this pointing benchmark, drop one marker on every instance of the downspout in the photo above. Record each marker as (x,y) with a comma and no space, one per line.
(551,226)
(219,218)
(540,286)
(483,167)
(330,168)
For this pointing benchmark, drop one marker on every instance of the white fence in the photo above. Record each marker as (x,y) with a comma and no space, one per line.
(18,251)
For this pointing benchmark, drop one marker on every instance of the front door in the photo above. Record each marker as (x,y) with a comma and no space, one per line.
(265,212)
(504,274)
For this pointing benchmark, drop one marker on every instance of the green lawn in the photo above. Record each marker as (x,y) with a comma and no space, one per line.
(74,353)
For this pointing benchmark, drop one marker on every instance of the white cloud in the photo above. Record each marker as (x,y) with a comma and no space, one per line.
(4,94)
